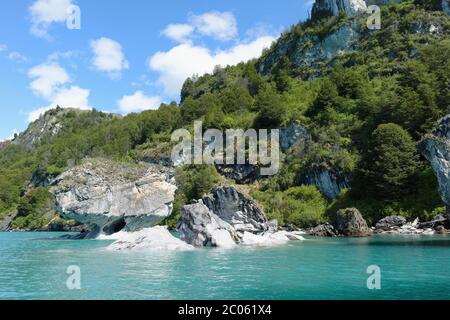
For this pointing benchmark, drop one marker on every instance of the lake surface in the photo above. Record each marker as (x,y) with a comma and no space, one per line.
(412,267)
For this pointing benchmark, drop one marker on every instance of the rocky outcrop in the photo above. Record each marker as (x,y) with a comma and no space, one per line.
(324,230)
(436,148)
(390,222)
(228,217)
(330,182)
(440,224)
(324,8)
(200,227)
(113,197)
(446,6)
(5,222)
(310,50)
(438,221)
(350,223)
(237,209)
(292,135)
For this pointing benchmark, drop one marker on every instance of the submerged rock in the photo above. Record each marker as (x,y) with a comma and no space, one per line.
(113,197)
(350,223)
(436,148)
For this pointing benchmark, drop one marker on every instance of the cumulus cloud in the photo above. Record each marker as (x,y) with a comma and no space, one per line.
(108,57)
(186,59)
(73,97)
(138,102)
(218,25)
(46,12)
(51,83)
(47,78)
(178,32)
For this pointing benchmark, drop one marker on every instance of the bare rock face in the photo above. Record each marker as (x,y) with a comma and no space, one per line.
(113,197)
(446,6)
(323,8)
(200,227)
(436,148)
(350,223)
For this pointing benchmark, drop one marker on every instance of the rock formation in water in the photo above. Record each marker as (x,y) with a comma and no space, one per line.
(324,230)
(113,197)
(390,222)
(436,148)
(228,217)
(350,223)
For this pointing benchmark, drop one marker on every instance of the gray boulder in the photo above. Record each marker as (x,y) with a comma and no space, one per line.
(390,222)
(237,209)
(436,148)
(350,223)
(200,227)
(324,230)
(111,196)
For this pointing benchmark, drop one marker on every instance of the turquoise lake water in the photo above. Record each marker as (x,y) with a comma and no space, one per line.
(411,268)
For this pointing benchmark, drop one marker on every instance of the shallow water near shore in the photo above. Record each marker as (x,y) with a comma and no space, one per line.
(412,267)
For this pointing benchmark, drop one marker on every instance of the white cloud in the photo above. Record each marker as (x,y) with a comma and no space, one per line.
(48,77)
(218,25)
(108,57)
(44,13)
(17,56)
(178,32)
(3,47)
(186,59)
(138,102)
(73,97)
(51,83)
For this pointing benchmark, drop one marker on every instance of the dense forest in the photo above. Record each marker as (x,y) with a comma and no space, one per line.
(366,109)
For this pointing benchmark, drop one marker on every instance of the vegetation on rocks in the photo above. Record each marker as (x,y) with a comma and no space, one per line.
(366,109)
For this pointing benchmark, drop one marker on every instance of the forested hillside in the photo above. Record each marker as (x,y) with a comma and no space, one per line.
(366,106)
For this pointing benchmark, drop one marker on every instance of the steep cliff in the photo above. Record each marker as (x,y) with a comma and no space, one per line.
(436,148)
(113,196)
(323,8)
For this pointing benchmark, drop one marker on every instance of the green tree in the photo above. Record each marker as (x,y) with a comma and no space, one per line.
(272,111)
(392,163)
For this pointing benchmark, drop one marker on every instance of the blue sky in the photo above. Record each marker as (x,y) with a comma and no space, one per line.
(129,55)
